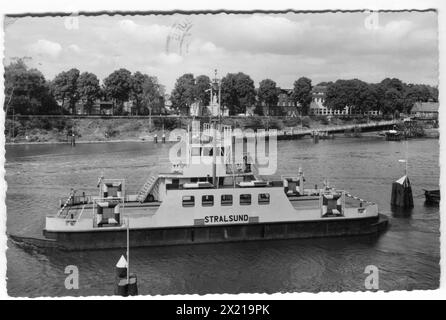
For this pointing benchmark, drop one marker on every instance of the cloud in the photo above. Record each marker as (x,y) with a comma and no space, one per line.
(46,48)
(273,34)
(283,47)
(169,58)
(154,33)
(75,48)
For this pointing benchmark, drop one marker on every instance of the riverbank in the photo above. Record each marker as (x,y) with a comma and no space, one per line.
(59,131)
(87,130)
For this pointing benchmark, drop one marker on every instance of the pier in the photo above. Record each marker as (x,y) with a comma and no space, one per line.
(362,127)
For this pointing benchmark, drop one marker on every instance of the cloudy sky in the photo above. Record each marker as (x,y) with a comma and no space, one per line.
(283,47)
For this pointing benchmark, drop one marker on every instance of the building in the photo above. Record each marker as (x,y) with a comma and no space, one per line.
(129,107)
(104,108)
(317,107)
(213,110)
(98,108)
(286,103)
(425,110)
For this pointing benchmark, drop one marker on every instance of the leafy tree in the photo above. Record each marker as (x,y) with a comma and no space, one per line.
(393,83)
(202,85)
(418,93)
(26,90)
(118,86)
(65,89)
(153,95)
(356,94)
(88,89)
(302,93)
(136,93)
(229,95)
(391,96)
(237,92)
(391,101)
(325,83)
(183,94)
(367,97)
(246,91)
(433,93)
(268,93)
(338,96)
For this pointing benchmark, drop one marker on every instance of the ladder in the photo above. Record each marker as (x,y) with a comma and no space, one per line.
(66,203)
(149,186)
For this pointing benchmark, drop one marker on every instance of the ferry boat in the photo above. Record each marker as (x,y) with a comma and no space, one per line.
(209,198)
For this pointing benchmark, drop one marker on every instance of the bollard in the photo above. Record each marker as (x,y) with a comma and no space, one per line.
(121,268)
(132,285)
(123,287)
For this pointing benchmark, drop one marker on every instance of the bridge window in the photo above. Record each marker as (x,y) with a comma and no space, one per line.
(245,199)
(196,151)
(226,199)
(207,201)
(188,201)
(264,198)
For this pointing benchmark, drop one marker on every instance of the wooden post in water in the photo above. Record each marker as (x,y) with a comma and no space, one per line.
(402,191)
(121,270)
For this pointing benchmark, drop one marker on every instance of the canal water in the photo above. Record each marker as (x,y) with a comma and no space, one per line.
(407,255)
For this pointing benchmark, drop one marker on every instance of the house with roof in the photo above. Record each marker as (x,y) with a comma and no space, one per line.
(317,106)
(286,106)
(425,110)
(286,103)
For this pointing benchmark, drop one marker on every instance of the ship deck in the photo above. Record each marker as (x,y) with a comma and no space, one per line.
(136,209)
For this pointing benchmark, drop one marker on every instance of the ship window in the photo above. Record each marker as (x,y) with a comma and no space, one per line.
(245,199)
(263,198)
(188,201)
(226,199)
(207,151)
(207,201)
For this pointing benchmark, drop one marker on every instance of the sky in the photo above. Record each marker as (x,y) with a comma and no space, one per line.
(281,47)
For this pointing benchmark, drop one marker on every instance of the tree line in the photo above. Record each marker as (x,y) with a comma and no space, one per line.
(238,92)
(389,96)
(28,92)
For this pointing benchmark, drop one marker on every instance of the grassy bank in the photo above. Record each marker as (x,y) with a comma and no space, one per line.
(111,129)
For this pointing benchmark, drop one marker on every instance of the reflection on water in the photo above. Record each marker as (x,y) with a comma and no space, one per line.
(407,255)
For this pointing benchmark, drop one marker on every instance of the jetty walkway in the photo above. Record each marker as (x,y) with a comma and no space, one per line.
(363,127)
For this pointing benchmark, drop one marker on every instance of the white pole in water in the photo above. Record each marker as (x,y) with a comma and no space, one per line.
(405,163)
(128,251)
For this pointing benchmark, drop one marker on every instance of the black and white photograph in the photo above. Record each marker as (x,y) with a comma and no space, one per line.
(221,152)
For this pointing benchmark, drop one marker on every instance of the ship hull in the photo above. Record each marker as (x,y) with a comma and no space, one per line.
(108,239)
